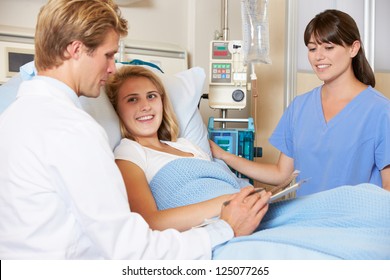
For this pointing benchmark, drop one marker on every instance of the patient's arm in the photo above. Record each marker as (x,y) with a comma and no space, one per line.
(385,174)
(272,174)
(141,201)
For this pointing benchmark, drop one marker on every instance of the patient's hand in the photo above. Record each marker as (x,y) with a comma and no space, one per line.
(244,211)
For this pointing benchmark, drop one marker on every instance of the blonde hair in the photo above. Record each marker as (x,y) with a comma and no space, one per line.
(169,128)
(61,22)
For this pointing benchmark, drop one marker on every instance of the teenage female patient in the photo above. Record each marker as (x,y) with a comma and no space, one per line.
(150,141)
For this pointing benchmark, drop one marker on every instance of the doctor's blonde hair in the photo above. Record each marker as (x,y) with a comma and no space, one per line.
(169,128)
(61,22)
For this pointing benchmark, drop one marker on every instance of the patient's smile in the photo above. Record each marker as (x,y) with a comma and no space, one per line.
(145,118)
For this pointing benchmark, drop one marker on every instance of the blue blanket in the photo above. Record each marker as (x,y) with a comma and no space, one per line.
(187,180)
(348,222)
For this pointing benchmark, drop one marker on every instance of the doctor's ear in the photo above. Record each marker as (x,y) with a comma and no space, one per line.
(74,49)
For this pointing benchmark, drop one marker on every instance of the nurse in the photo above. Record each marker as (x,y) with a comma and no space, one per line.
(339,132)
(61,193)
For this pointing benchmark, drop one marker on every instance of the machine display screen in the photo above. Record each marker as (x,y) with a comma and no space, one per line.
(16,60)
(220,51)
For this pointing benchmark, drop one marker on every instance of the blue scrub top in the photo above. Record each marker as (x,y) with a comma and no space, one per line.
(350,149)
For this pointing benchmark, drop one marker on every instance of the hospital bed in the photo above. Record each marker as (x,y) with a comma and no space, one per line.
(296,229)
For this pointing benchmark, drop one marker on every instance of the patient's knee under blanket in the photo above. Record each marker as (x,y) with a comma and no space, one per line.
(348,222)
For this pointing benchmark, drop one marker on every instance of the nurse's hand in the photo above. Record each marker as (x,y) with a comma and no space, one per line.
(216,150)
(245,211)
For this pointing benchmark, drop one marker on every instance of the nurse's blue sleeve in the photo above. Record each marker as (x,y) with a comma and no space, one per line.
(282,137)
(382,150)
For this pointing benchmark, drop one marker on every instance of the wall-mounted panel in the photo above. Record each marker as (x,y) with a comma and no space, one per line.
(382,38)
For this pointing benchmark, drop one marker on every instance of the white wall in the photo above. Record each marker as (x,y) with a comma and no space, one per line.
(162,21)
(20,13)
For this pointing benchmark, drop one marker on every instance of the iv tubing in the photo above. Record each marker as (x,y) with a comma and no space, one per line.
(254,95)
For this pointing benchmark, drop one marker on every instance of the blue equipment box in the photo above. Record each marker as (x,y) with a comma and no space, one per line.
(238,141)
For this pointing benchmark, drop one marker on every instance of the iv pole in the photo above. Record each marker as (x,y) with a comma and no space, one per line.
(225,34)
(225,37)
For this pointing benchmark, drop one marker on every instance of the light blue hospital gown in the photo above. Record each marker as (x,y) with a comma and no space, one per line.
(350,149)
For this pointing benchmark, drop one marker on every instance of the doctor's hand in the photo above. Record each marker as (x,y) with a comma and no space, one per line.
(245,211)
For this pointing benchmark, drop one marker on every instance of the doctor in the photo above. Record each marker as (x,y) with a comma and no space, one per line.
(61,194)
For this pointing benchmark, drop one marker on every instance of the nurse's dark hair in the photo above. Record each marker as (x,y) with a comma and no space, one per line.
(169,128)
(61,22)
(337,27)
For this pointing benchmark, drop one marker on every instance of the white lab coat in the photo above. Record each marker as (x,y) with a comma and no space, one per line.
(61,194)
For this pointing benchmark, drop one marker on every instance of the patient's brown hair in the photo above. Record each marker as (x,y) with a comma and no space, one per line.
(169,128)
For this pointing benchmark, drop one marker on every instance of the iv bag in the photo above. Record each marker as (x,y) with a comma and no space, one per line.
(255,31)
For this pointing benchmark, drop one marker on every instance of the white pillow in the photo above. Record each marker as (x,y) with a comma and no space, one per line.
(184,89)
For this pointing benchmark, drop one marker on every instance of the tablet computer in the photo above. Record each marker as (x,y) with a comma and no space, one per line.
(286,191)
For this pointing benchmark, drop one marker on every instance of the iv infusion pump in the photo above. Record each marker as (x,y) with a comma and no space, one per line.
(227,88)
